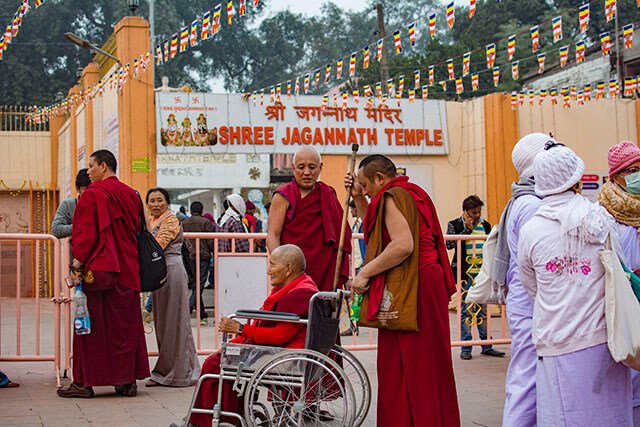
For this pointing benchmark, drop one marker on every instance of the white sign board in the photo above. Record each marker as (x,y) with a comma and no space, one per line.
(592,184)
(242,283)
(233,123)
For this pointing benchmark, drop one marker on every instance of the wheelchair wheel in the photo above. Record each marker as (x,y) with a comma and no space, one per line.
(300,388)
(357,376)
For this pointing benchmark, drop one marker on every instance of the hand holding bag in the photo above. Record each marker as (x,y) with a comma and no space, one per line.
(622,311)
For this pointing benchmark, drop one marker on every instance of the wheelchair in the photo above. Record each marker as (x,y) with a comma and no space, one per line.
(322,384)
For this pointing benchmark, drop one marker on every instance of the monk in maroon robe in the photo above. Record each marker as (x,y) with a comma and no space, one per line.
(307,213)
(292,291)
(416,385)
(105,246)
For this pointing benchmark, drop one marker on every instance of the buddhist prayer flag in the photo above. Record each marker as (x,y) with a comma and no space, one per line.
(230,12)
(450,69)
(532,97)
(613,88)
(511,46)
(425,92)
(459,86)
(356,95)
(515,73)
(297,87)
(367,91)
(583,17)
(557,28)
(339,69)
(39,3)
(352,65)
(451,16)
(541,96)
(491,55)
(166,44)
(365,61)
(317,76)
(345,98)
(605,40)
(217,11)
(466,61)
(496,76)
(627,33)
(574,92)
(472,8)
(193,37)
(599,90)
(514,100)
(474,81)
(401,84)
(174,46)
(327,74)
(535,38)
(610,9)
(541,57)
(580,98)
(262,97)
(158,54)
(135,67)
(206,26)
(397,42)
(443,84)
(390,87)
(412,95)
(629,86)
(256,3)
(412,33)
(416,75)
(566,101)
(587,92)
(307,78)
(184,39)
(325,101)
(380,45)
(554,93)
(379,90)
(243,7)
(432,25)
(564,55)
(278,91)
(580,49)
(431,75)
(289,89)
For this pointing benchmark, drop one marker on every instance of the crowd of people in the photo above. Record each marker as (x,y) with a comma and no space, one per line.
(548,241)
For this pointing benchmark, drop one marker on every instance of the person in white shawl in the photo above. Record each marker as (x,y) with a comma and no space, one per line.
(231,222)
(577,381)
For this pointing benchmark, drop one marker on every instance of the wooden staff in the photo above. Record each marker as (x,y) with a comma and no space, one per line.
(352,167)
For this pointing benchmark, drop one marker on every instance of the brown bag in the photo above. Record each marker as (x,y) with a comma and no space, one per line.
(399,308)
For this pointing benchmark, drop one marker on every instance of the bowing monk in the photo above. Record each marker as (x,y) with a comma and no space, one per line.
(105,246)
(306,213)
(415,373)
(292,291)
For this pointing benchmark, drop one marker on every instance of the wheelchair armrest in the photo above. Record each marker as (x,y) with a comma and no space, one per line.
(275,316)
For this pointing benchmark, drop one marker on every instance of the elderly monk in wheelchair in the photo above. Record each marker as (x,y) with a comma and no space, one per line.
(292,291)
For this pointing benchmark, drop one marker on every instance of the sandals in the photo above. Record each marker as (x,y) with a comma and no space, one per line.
(152,383)
(10,384)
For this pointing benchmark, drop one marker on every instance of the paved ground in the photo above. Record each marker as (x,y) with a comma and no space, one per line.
(480,384)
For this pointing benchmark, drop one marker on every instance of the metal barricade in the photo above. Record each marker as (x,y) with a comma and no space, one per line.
(36,354)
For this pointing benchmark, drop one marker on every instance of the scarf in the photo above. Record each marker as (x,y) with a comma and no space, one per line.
(277,294)
(581,222)
(624,207)
(502,255)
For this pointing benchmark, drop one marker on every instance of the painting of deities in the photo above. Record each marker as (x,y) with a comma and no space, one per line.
(187,135)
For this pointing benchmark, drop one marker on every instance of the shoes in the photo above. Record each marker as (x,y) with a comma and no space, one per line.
(127,390)
(152,383)
(349,332)
(465,355)
(203,322)
(492,352)
(74,390)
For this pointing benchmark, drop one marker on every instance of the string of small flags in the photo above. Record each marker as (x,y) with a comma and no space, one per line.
(13,28)
(116,80)
(202,28)
(413,29)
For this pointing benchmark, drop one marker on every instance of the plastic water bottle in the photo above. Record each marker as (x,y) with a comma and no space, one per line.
(355,307)
(81,321)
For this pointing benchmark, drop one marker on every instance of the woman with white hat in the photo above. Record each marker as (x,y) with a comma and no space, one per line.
(577,381)
(231,222)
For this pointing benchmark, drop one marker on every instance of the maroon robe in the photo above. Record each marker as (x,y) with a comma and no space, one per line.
(313,224)
(104,240)
(292,298)
(417,366)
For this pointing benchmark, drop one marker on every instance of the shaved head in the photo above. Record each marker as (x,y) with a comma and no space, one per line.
(377,163)
(307,153)
(292,255)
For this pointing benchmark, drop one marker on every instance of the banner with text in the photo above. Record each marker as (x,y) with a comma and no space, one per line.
(212,123)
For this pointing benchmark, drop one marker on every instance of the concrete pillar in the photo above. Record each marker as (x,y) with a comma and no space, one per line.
(136,110)
(73,127)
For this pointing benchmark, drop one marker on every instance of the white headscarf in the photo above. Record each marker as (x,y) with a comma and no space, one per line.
(236,209)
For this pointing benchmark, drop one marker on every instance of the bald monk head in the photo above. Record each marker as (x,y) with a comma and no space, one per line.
(286,263)
(307,165)
(374,172)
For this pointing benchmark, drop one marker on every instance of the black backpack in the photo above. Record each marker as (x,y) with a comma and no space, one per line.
(153,264)
(188,266)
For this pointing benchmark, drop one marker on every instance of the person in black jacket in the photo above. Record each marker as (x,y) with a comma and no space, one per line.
(470,259)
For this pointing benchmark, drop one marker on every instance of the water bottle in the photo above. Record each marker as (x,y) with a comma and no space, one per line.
(355,307)
(81,321)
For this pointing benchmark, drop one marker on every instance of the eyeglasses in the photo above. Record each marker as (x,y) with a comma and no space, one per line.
(630,170)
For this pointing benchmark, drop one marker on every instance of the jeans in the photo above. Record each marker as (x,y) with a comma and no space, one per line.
(204,273)
(481,319)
